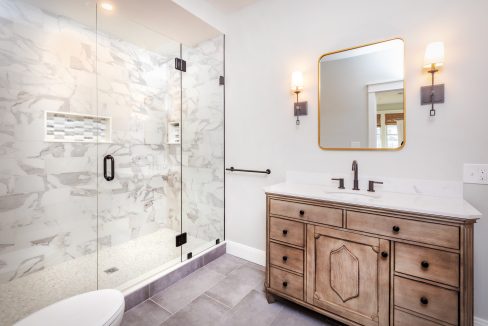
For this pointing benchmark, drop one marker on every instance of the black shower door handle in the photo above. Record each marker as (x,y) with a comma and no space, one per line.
(112,168)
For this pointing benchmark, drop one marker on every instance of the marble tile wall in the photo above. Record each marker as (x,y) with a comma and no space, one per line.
(53,198)
(203,141)
(47,190)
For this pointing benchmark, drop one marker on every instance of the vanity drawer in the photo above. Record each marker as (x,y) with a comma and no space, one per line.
(287,231)
(287,283)
(441,303)
(435,234)
(318,214)
(435,265)
(402,318)
(286,257)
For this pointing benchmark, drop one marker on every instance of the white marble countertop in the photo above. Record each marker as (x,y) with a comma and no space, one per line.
(424,204)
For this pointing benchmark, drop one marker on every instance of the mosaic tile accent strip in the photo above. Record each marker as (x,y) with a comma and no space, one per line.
(72,127)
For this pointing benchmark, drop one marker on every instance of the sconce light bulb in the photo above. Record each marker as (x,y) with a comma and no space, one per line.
(297,81)
(107,6)
(434,55)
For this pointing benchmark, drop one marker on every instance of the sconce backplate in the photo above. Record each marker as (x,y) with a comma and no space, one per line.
(426,92)
(300,108)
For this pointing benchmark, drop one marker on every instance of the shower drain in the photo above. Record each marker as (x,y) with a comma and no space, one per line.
(111,270)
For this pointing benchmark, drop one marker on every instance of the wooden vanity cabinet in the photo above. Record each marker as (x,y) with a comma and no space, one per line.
(364,266)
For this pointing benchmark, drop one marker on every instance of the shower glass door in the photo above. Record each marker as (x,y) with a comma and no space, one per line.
(48,153)
(139,105)
(203,144)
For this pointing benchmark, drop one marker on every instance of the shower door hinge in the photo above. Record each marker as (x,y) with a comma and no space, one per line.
(189,255)
(180,239)
(180,64)
(221,80)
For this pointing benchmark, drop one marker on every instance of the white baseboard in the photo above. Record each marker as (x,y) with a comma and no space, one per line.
(245,252)
(480,322)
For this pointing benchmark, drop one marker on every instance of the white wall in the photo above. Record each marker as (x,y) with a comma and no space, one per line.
(269,40)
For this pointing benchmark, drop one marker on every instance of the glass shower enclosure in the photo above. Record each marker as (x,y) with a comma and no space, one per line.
(111,145)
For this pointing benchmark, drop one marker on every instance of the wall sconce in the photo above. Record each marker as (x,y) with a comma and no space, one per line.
(299,108)
(434,58)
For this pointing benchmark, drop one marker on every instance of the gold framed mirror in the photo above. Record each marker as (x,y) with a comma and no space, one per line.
(361,97)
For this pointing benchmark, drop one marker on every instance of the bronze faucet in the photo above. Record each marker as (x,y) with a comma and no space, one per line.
(355,169)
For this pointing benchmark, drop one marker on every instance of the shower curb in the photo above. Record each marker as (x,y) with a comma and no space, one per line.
(145,292)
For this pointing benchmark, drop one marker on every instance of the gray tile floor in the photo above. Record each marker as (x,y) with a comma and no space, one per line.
(228,291)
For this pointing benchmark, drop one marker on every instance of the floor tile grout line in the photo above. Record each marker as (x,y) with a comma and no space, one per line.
(181,280)
(192,299)
(221,303)
(233,269)
(165,309)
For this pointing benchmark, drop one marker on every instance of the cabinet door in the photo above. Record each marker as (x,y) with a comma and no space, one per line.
(348,274)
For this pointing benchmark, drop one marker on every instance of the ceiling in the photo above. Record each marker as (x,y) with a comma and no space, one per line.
(229,6)
(151,24)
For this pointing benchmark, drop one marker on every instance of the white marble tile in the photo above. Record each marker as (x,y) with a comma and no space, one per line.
(203,140)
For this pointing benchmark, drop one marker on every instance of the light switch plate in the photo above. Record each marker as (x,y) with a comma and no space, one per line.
(475,173)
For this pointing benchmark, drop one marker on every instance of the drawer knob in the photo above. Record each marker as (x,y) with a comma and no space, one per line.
(302,212)
(285,232)
(285,284)
(424,300)
(285,258)
(396,229)
(425,264)
(384,254)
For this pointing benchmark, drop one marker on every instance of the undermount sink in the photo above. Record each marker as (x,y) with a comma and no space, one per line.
(351,195)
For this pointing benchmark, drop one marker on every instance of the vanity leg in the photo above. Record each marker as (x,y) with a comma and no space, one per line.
(270,297)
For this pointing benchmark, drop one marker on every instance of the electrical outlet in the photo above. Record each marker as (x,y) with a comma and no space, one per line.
(475,173)
(483,175)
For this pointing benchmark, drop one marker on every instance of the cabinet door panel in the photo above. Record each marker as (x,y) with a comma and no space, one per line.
(350,276)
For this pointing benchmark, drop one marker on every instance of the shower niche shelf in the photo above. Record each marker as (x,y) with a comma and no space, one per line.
(77,128)
(174,132)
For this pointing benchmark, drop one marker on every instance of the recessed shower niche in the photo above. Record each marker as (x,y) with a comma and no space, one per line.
(72,127)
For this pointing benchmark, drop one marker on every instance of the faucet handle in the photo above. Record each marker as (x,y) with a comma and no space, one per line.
(341,182)
(371,185)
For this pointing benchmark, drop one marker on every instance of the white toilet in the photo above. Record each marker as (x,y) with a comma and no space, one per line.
(97,308)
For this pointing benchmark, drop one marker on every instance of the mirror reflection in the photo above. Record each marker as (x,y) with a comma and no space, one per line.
(361,97)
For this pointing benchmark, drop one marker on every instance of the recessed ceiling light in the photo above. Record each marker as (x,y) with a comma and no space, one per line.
(107,6)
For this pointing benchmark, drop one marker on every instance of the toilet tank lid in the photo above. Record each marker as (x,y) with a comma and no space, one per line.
(92,308)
